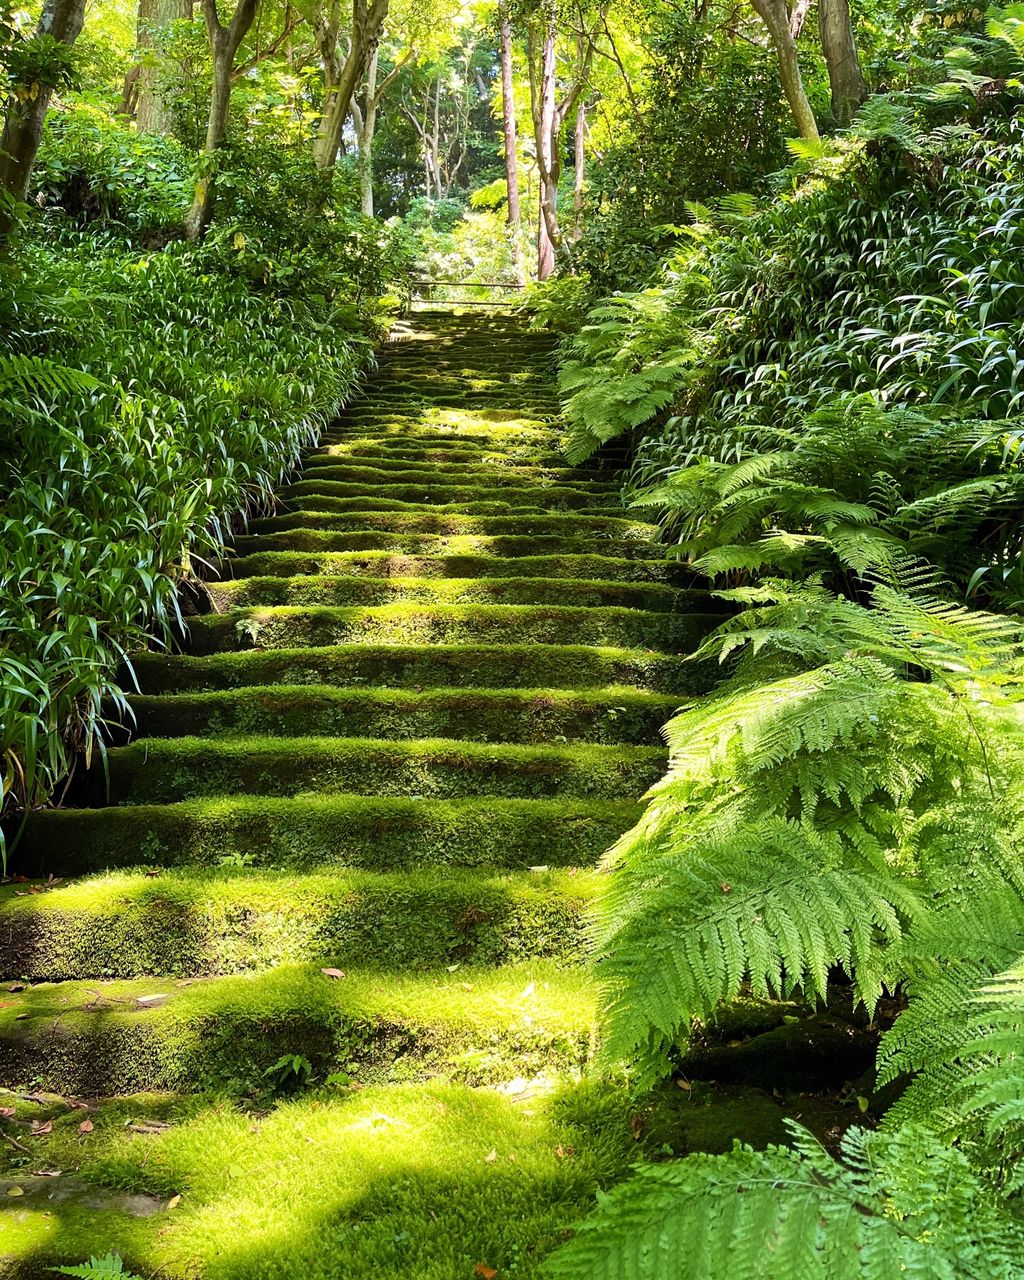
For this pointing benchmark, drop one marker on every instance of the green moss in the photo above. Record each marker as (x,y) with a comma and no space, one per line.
(428,544)
(221,922)
(433,492)
(87,1038)
(164,770)
(482,715)
(325,831)
(338,590)
(424,1181)
(528,666)
(297,626)
(330,466)
(384,564)
(540,524)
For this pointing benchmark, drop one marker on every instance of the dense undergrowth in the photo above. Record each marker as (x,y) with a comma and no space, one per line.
(151,397)
(825,393)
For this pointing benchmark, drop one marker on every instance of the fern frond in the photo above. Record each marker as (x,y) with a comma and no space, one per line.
(776,906)
(901,1204)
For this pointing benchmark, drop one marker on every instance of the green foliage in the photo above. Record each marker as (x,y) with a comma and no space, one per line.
(99,170)
(124,455)
(891,1204)
(98,1269)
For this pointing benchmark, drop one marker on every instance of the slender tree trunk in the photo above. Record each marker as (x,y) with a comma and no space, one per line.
(839,46)
(549,161)
(368,18)
(152,114)
(776,17)
(508,117)
(224,42)
(23,126)
(365,119)
(580,158)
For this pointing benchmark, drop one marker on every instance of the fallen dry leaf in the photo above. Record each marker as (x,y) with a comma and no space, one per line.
(332,973)
(86,1126)
(44,1173)
(40,1127)
(490,1157)
(174,1202)
(484,1271)
(75,1105)
(6,1113)
(16,986)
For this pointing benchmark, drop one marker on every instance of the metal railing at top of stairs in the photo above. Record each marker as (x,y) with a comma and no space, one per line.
(415,297)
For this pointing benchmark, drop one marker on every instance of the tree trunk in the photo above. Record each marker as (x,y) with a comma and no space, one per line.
(840,49)
(341,83)
(152,113)
(775,15)
(23,126)
(580,159)
(224,42)
(365,120)
(549,161)
(545,247)
(508,116)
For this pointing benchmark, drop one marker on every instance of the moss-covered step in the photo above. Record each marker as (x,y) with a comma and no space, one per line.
(312,832)
(481,715)
(200,924)
(339,1183)
(477,1025)
(394,450)
(337,590)
(435,492)
(529,666)
(386,564)
(430,544)
(295,626)
(541,524)
(164,770)
(328,466)
(487,507)
(550,467)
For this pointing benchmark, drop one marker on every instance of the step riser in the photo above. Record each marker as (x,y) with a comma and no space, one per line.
(339,592)
(312,491)
(666,632)
(417,925)
(150,772)
(410,668)
(477,718)
(403,522)
(106,1051)
(359,833)
(385,565)
(426,544)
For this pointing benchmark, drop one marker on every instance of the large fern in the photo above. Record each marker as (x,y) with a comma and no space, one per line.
(899,1204)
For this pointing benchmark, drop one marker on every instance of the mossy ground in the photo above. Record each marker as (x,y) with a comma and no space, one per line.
(425,698)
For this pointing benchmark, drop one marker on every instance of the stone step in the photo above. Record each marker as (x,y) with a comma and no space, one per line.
(167,770)
(310,832)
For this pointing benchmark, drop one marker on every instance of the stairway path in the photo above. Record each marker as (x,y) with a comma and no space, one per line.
(426,698)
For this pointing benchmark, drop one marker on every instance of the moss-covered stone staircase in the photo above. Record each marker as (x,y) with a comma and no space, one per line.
(353,838)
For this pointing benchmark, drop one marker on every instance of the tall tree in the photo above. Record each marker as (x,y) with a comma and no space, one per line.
(549,116)
(224,42)
(783,27)
(846,80)
(343,71)
(364,116)
(508,119)
(30,94)
(152,109)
